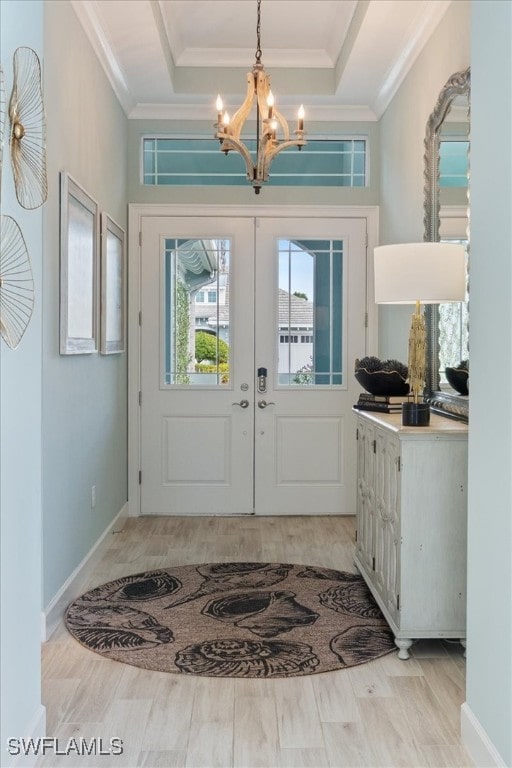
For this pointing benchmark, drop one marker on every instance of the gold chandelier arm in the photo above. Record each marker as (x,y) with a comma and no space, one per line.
(262,91)
(242,113)
(263,161)
(230,142)
(262,87)
(271,153)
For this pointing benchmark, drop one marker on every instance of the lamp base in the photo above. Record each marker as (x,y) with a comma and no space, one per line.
(415,414)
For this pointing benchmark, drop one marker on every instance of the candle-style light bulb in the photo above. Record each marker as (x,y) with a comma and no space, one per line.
(301,117)
(219,105)
(225,119)
(270,104)
(273,127)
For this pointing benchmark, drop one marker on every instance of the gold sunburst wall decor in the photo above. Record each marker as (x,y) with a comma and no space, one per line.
(2,123)
(16,283)
(28,130)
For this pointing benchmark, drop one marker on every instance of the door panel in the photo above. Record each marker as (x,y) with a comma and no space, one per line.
(196,440)
(308,465)
(304,447)
(221,299)
(196,450)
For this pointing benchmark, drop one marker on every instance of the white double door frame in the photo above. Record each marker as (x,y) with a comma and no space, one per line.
(140,216)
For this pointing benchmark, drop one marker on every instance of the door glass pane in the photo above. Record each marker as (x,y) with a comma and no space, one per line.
(310,312)
(196,312)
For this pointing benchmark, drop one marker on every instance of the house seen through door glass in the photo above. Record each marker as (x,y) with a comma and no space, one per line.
(196,343)
(309,315)
(310,312)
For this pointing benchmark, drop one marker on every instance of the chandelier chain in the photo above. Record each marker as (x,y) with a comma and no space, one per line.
(258,34)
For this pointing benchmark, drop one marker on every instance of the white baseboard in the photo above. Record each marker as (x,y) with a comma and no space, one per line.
(476,741)
(71,587)
(36,730)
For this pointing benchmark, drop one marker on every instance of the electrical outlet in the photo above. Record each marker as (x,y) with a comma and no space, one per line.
(93,496)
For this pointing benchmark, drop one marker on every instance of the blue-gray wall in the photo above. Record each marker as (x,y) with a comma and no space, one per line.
(20,450)
(63,419)
(489,662)
(84,396)
(402,133)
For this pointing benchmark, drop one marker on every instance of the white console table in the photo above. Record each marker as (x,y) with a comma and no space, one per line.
(412,522)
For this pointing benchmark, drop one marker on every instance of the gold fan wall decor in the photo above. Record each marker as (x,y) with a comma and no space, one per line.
(28,130)
(16,283)
(2,124)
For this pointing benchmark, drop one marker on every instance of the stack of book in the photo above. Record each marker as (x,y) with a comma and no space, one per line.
(382,403)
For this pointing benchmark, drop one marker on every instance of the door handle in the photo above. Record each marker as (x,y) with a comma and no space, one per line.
(263,404)
(242,403)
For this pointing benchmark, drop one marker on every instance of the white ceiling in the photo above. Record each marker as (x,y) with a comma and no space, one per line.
(344,59)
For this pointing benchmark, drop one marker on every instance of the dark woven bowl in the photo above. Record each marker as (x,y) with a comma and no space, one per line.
(458,378)
(382,382)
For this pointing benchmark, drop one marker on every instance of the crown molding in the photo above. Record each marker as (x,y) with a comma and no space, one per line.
(88,18)
(422,30)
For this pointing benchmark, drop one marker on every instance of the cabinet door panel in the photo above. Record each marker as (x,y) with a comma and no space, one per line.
(387,518)
(365,493)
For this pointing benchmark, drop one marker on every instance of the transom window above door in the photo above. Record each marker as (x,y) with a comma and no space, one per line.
(323,162)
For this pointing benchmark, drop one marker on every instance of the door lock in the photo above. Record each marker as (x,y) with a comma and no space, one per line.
(262,380)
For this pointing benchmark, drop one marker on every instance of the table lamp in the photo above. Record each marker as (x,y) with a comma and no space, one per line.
(419,273)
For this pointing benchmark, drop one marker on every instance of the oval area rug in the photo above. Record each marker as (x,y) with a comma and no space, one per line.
(241,619)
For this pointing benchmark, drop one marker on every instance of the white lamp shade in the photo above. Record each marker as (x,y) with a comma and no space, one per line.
(432,273)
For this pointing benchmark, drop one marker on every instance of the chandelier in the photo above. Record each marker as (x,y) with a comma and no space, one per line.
(268,123)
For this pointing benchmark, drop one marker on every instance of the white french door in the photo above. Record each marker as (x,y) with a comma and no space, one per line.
(250,328)
(305,460)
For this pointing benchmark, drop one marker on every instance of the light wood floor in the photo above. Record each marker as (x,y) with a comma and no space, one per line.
(385,713)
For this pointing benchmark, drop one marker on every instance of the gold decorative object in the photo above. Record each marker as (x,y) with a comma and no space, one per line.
(16,283)
(28,130)
(2,123)
(417,352)
(268,122)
